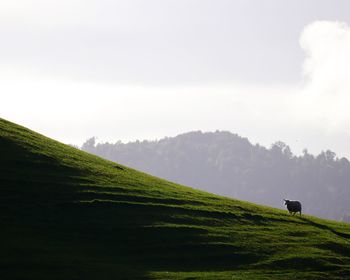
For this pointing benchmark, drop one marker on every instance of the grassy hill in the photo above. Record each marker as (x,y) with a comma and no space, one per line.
(66,214)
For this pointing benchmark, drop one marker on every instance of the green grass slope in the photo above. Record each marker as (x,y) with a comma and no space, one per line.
(66,214)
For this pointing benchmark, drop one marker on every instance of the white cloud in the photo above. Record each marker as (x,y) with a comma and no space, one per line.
(327,65)
(327,74)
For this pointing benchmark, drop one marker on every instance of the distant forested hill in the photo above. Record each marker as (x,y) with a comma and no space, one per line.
(227,164)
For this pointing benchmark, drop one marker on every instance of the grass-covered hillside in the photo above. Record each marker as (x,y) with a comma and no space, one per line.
(66,214)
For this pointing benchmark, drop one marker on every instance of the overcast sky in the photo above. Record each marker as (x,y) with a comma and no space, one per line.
(266,69)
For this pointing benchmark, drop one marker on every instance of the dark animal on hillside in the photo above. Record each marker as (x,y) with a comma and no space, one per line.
(293,206)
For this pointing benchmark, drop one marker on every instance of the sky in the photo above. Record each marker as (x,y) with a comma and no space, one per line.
(267,70)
